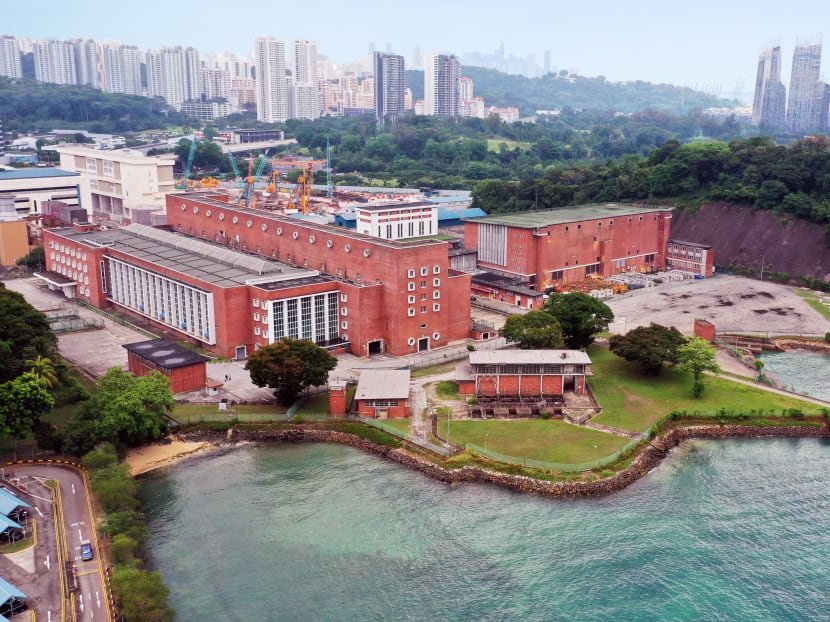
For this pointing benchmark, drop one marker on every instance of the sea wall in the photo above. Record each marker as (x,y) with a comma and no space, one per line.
(648,457)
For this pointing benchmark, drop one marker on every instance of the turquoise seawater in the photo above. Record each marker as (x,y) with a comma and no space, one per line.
(732,530)
(800,371)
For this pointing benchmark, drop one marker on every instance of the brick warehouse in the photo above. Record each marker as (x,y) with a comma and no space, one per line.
(546,248)
(235,279)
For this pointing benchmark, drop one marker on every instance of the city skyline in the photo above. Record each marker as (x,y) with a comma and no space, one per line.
(709,46)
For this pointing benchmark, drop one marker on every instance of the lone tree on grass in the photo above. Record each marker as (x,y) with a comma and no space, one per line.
(648,346)
(532,330)
(290,366)
(580,316)
(697,356)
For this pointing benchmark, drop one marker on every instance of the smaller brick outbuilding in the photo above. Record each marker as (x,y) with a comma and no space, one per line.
(186,369)
(383,393)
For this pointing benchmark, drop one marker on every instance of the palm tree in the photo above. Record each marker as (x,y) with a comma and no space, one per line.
(42,367)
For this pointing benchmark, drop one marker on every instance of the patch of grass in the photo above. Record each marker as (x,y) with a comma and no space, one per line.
(434,370)
(447,390)
(365,431)
(813,300)
(188,413)
(404,425)
(494,144)
(635,402)
(316,405)
(537,439)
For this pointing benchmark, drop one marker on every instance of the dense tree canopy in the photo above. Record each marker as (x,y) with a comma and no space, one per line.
(24,334)
(290,366)
(793,181)
(648,346)
(580,317)
(534,329)
(23,401)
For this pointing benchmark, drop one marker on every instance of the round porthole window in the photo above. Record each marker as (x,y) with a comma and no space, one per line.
(348,248)
(366,252)
(184,207)
(436,336)
(208,213)
(250,223)
(221,216)
(311,239)
(329,243)
(411,341)
(264,227)
(295,235)
(195,209)
(234,220)
(279,230)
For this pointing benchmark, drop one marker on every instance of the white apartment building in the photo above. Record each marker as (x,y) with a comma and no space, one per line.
(306,97)
(121,65)
(10,63)
(54,61)
(87,67)
(174,73)
(441,85)
(272,89)
(120,181)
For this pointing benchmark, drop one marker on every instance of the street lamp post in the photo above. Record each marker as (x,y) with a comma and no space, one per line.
(596,455)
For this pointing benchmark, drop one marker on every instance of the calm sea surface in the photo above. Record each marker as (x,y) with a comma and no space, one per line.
(733,530)
(801,371)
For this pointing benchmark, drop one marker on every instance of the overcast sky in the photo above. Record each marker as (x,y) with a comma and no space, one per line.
(707,44)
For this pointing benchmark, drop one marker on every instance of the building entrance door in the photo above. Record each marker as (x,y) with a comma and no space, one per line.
(241,352)
(423,344)
(376,347)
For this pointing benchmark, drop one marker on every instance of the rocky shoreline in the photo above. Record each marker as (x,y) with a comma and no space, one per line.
(647,459)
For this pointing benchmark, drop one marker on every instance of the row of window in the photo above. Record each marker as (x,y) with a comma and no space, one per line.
(436,269)
(411,285)
(65,248)
(529,368)
(436,294)
(411,311)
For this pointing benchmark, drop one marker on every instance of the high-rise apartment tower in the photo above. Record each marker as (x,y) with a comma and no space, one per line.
(390,86)
(769,102)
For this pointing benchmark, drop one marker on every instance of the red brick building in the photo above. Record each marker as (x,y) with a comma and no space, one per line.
(383,393)
(235,279)
(546,248)
(698,259)
(524,375)
(185,368)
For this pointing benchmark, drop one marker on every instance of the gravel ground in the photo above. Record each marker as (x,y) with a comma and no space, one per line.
(731,303)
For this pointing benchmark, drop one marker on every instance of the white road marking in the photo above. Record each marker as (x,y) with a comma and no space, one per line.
(48,616)
(48,565)
(80,536)
(81,596)
(73,489)
(97,599)
(39,512)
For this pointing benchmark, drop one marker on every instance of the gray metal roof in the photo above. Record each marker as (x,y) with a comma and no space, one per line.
(165,353)
(383,384)
(546,218)
(197,259)
(529,357)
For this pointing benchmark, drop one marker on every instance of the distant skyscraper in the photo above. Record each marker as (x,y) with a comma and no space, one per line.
(174,73)
(806,92)
(390,86)
(271,87)
(121,68)
(87,67)
(54,62)
(466,90)
(10,64)
(441,75)
(770,94)
(306,84)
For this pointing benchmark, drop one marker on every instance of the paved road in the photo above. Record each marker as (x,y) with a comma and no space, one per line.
(75,523)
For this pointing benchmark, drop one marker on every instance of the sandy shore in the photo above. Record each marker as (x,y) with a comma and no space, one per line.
(144,459)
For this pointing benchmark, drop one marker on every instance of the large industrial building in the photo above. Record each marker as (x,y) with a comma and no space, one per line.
(543,249)
(235,279)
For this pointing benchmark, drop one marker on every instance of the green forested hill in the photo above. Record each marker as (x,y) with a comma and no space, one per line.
(551,91)
(26,105)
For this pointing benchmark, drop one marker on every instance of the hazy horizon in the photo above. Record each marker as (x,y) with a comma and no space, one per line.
(708,45)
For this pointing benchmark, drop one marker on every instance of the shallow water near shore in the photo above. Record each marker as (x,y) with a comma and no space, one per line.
(720,530)
(801,371)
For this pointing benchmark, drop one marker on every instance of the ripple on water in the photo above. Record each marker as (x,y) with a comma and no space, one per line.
(721,531)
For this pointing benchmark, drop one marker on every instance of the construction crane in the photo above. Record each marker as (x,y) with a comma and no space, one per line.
(301,195)
(247,198)
(183,182)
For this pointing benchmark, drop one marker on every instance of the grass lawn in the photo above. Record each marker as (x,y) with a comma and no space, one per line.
(319,404)
(634,402)
(493,144)
(404,425)
(549,440)
(434,370)
(812,299)
(190,413)
(447,390)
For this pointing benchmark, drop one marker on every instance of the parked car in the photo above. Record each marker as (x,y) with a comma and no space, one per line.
(86,551)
